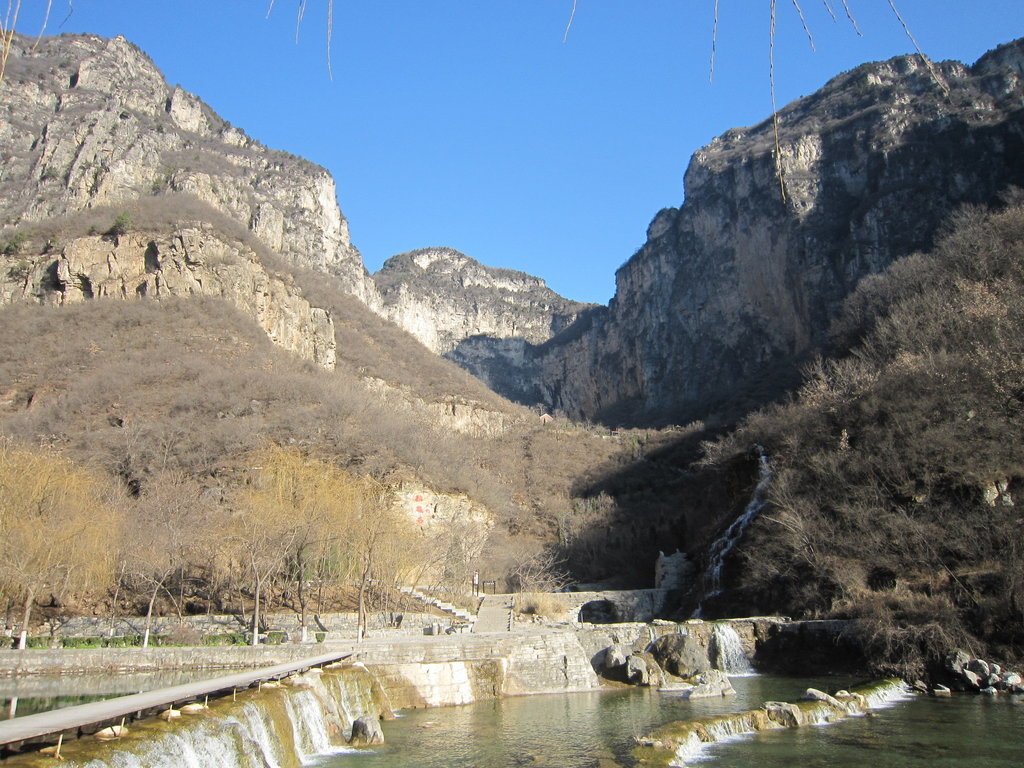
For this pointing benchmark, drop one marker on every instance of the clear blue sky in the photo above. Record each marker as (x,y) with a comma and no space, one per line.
(471,124)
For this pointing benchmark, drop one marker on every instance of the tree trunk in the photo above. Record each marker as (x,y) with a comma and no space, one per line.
(23,639)
(363,581)
(303,612)
(149,616)
(256,614)
(113,605)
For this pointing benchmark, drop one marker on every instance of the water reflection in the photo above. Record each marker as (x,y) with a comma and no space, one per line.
(20,696)
(594,730)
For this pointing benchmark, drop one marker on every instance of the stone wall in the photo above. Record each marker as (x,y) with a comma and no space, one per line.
(70,661)
(616,606)
(338,625)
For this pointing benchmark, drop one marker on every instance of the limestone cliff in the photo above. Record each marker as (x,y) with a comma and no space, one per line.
(192,261)
(737,285)
(480,317)
(91,122)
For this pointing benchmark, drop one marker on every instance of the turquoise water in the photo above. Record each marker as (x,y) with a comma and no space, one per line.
(594,730)
(39,693)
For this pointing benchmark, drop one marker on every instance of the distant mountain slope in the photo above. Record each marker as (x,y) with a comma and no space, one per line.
(735,287)
(482,318)
(91,122)
(897,472)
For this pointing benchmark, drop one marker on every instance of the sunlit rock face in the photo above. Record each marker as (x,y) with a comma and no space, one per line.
(480,317)
(739,284)
(91,122)
(192,261)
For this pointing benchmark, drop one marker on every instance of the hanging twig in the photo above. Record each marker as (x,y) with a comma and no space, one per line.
(803,23)
(714,44)
(775,110)
(7,33)
(299,16)
(927,62)
(572,15)
(852,20)
(42,29)
(330,33)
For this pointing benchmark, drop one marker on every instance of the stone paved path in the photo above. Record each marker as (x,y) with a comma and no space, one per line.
(495,614)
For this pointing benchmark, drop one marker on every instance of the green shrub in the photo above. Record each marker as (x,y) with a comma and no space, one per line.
(232,638)
(13,246)
(82,642)
(122,224)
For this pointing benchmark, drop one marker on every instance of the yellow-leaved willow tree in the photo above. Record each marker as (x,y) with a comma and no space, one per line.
(302,519)
(59,527)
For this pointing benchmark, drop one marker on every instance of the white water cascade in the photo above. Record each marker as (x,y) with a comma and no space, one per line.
(724,544)
(309,716)
(728,650)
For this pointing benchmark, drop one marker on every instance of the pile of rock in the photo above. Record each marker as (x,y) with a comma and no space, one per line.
(964,673)
(677,663)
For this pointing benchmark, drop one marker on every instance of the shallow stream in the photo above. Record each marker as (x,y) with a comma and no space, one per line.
(594,730)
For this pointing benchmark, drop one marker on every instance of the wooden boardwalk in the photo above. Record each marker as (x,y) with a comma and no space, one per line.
(75,720)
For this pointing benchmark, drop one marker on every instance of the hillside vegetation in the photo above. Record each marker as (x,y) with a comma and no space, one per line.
(898,466)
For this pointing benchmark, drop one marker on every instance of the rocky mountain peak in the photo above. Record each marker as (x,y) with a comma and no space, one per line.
(444,297)
(738,285)
(97,125)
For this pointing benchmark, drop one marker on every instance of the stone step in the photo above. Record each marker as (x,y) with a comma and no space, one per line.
(456,612)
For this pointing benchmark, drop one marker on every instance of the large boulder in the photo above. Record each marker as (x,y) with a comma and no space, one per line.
(785,714)
(813,694)
(366,732)
(637,671)
(711,684)
(615,656)
(681,655)
(971,680)
(979,667)
(957,662)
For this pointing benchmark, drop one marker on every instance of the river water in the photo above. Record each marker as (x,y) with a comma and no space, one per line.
(594,730)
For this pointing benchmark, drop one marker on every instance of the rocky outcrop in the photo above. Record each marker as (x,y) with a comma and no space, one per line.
(193,261)
(737,285)
(97,125)
(458,414)
(681,742)
(482,318)
(366,732)
(965,673)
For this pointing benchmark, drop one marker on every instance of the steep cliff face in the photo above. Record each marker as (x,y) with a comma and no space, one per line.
(91,122)
(480,317)
(735,286)
(192,261)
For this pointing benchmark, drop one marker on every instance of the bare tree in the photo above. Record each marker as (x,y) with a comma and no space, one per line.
(59,525)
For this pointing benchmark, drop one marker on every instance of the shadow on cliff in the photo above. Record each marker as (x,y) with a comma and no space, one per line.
(663,500)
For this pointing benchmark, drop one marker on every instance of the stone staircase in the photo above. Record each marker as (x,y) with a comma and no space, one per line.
(461,615)
(495,614)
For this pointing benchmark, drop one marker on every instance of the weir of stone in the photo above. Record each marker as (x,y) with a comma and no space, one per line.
(94,715)
(312,713)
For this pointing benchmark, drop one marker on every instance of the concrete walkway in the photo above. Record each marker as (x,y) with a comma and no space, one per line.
(495,614)
(98,712)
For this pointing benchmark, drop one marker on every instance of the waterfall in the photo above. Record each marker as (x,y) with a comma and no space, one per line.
(684,742)
(728,652)
(723,545)
(310,715)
